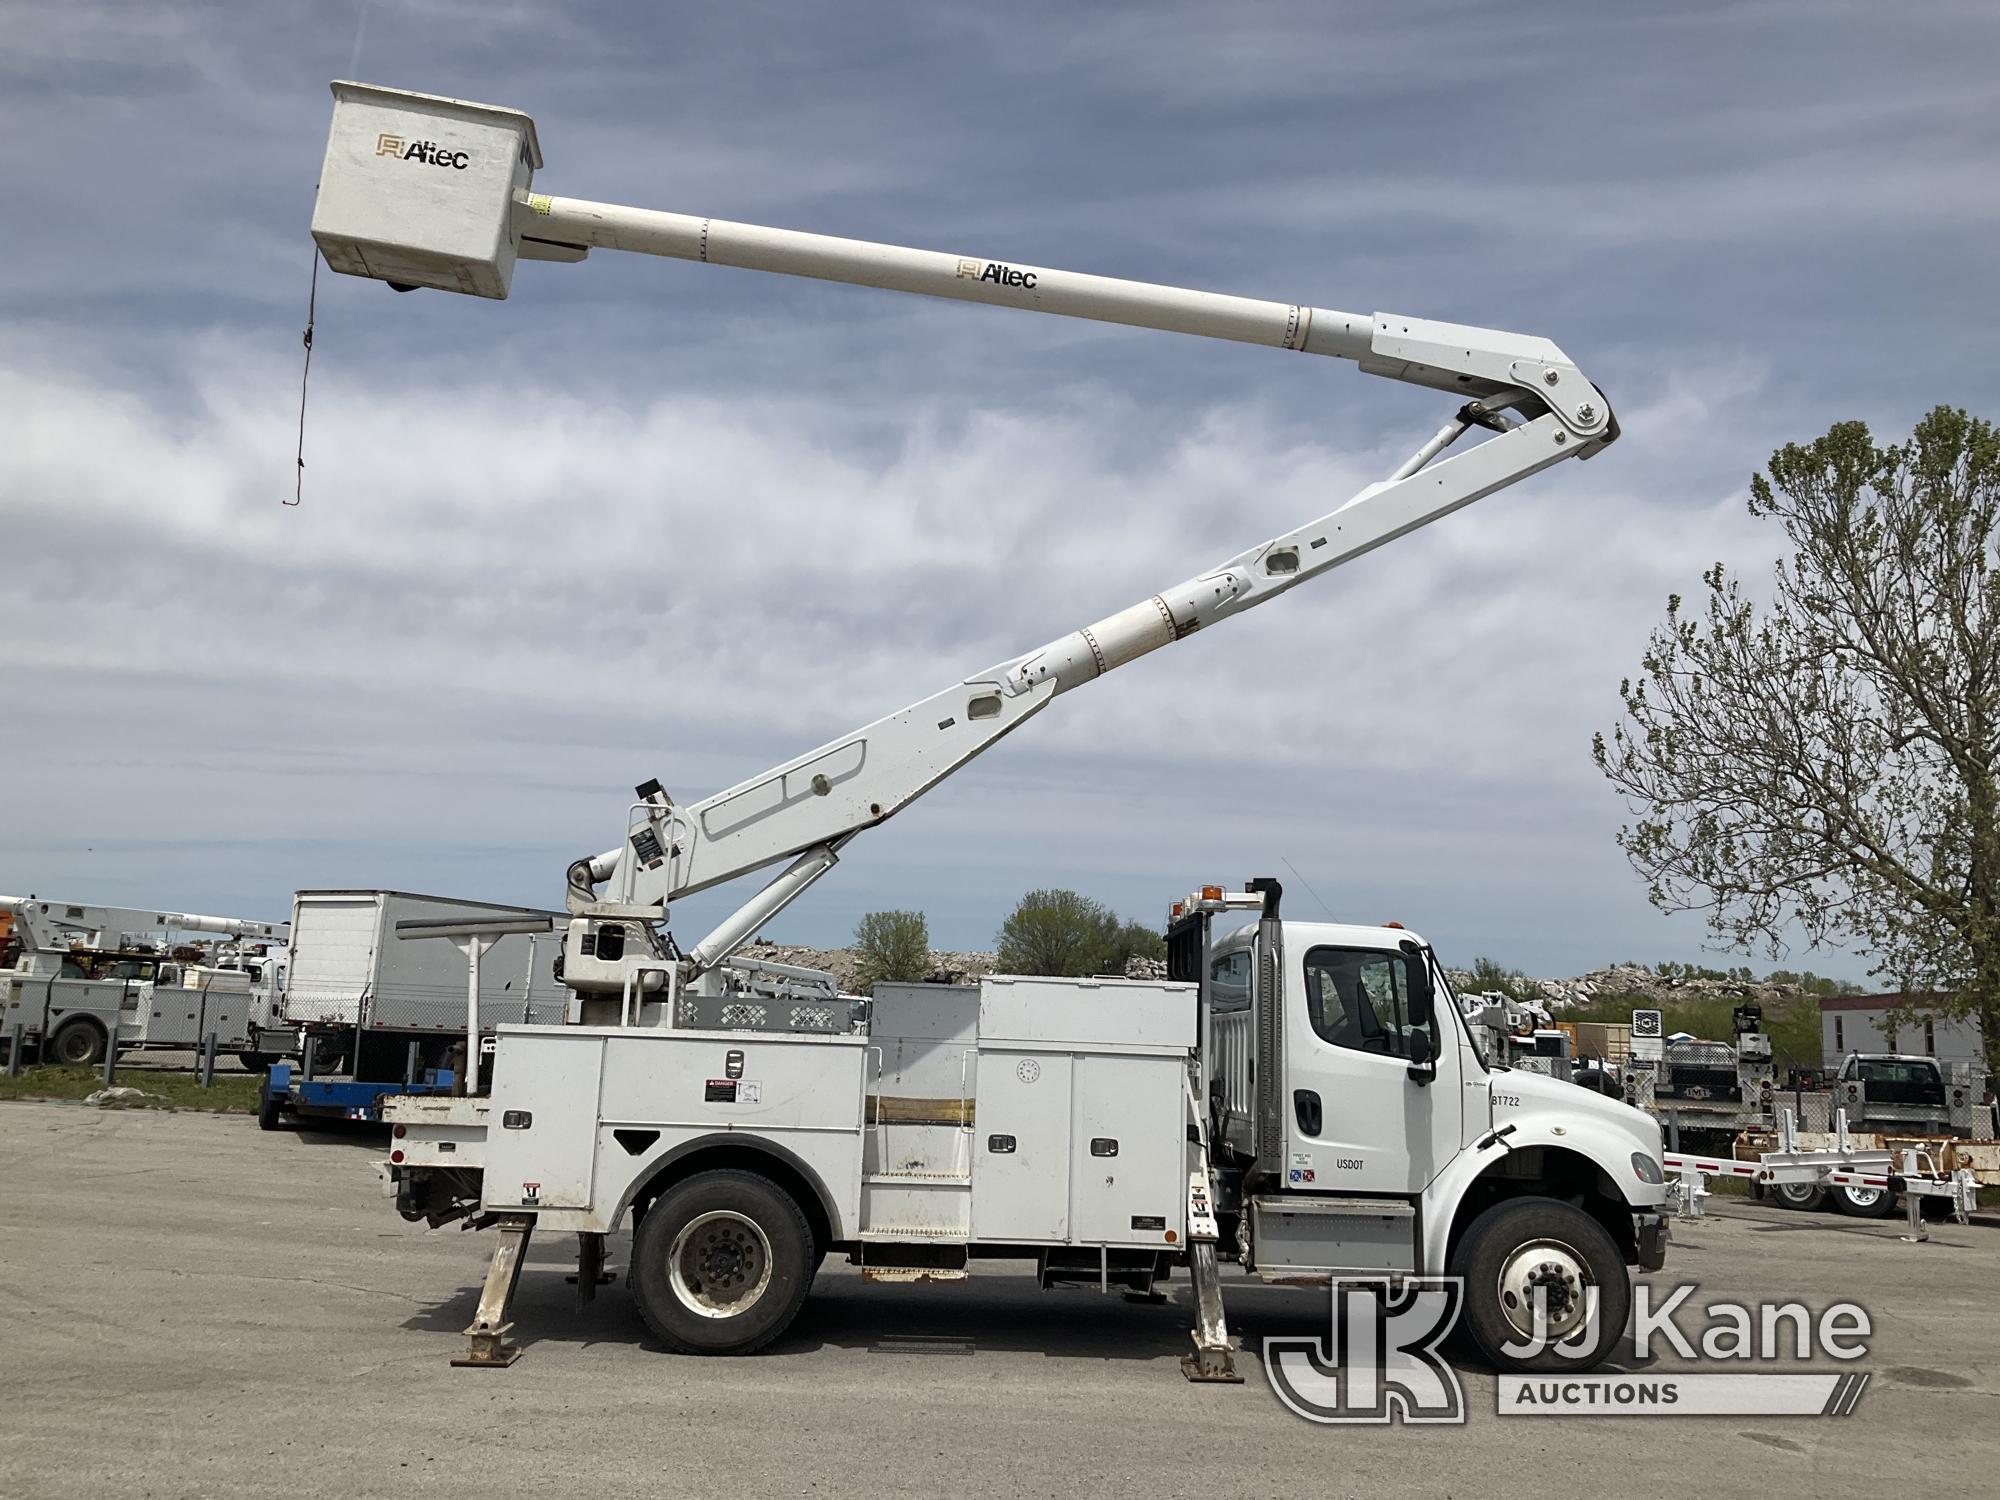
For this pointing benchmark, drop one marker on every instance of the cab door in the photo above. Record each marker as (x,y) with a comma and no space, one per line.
(1356,1119)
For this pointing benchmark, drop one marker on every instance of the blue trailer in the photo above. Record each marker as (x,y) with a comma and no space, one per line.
(286,1090)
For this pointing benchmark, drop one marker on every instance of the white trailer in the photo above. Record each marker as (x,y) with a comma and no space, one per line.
(1338,1121)
(87,975)
(350,977)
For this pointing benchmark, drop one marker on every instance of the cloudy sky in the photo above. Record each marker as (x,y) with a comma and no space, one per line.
(655,519)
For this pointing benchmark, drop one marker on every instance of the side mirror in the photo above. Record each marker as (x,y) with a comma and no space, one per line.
(1423,1067)
(1422,995)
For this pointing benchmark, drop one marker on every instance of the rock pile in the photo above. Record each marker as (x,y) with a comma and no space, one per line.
(845,963)
(1621,980)
(1557,995)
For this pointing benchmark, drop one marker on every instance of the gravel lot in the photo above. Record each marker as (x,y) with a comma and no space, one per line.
(189,1306)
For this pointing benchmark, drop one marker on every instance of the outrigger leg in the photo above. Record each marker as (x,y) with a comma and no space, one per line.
(1212,1360)
(488,1334)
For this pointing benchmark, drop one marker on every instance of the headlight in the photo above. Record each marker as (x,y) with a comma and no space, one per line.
(1647,1167)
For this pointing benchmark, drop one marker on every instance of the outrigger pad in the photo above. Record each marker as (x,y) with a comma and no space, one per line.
(1211,1367)
(490,1349)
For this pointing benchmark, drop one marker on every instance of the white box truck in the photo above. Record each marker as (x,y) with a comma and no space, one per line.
(392,1016)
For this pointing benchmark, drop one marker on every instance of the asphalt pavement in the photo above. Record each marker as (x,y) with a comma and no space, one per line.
(190,1306)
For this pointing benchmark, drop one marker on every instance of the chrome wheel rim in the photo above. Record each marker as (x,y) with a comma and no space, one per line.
(1863,1197)
(1555,1269)
(720,1264)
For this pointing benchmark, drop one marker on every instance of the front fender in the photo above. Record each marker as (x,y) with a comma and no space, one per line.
(1607,1149)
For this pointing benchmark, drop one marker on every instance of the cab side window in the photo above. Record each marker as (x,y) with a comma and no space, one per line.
(1229,982)
(1359,998)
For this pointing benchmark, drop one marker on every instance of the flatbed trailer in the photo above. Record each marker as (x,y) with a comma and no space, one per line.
(1863,1175)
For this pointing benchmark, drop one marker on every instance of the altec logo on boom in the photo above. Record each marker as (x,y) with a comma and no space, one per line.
(993,271)
(428,152)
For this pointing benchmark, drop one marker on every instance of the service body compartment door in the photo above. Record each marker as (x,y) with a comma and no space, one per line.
(1128,1150)
(541,1143)
(1021,1147)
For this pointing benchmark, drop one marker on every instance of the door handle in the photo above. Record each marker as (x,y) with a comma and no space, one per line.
(1306,1103)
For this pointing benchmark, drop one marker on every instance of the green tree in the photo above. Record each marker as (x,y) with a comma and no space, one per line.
(1487,977)
(894,946)
(1057,932)
(1829,760)
(1134,940)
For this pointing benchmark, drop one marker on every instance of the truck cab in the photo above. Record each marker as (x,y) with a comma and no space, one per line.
(1384,1140)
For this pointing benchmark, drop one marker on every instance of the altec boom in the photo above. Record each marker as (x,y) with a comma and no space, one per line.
(621,1112)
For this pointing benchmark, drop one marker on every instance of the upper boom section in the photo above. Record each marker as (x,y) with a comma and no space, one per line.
(421,190)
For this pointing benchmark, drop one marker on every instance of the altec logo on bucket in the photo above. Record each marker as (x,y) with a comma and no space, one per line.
(428,152)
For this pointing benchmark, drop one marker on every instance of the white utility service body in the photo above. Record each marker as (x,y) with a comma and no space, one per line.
(1562,1187)
(1051,1113)
(143,997)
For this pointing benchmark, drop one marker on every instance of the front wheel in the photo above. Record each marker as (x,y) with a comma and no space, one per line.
(721,1263)
(1527,1251)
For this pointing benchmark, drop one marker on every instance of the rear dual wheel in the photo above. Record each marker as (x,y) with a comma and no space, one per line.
(78,1044)
(721,1263)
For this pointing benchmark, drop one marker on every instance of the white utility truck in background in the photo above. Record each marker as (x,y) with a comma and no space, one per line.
(1296,1097)
(88,977)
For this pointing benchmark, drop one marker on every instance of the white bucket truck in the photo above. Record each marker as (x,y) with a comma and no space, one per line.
(89,977)
(1335,1117)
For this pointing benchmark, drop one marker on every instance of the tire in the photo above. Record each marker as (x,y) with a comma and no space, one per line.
(255,1062)
(1806,1197)
(1864,1203)
(270,1107)
(77,1044)
(721,1263)
(1525,1241)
